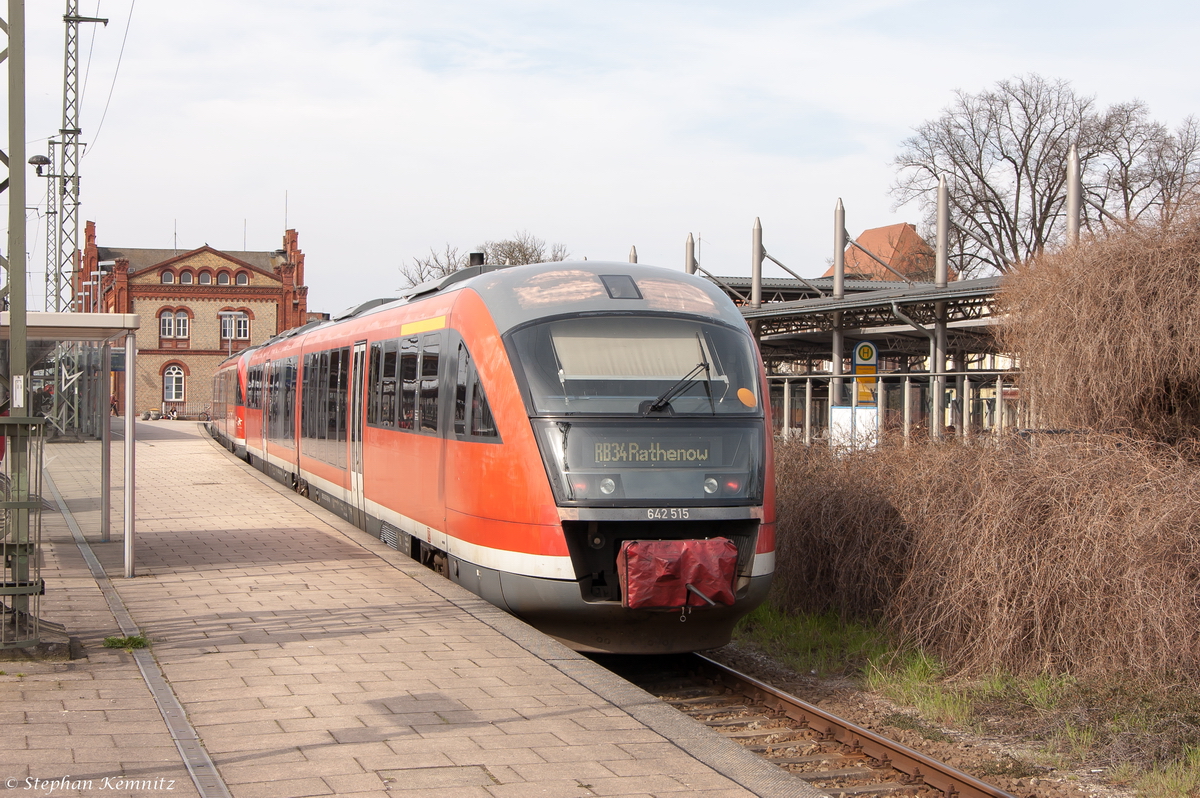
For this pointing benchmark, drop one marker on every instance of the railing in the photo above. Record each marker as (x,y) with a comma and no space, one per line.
(973,403)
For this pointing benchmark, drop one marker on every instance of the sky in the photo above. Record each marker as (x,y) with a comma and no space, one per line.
(380,129)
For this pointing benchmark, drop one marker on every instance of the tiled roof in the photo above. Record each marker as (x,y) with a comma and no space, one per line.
(140,259)
(898,245)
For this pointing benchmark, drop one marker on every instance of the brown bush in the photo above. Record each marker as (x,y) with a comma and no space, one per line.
(1078,554)
(1108,332)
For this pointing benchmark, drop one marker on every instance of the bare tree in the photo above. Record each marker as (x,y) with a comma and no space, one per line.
(1141,169)
(436,264)
(1004,152)
(524,247)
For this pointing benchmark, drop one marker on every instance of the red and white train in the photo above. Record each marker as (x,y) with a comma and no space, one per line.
(585,445)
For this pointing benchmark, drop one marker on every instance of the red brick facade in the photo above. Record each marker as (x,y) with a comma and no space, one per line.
(180,296)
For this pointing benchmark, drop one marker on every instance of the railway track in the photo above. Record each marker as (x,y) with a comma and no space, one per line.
(834,755)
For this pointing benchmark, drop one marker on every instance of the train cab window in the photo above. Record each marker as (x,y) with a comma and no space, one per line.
(408,383)
(429,383)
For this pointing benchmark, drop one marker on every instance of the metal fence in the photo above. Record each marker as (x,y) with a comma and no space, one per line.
(21,587)
(972,403)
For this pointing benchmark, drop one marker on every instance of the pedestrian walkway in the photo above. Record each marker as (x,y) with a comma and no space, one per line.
(311,659)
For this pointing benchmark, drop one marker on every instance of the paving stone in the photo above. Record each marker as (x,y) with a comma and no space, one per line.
(311,659)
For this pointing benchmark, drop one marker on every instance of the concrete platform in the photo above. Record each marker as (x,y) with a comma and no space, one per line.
(293,655)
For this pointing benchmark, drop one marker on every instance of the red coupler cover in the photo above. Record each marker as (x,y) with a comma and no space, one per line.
(656,573)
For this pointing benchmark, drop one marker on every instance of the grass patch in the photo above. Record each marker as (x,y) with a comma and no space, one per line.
(128,643)
(819,645)
(1174,780)
(1145,736)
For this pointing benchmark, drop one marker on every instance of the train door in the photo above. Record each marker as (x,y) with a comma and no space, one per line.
(357,381)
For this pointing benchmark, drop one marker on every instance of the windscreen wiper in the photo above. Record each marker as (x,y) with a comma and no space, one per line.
(669,394)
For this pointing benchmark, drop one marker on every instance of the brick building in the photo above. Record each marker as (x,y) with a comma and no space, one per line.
(196,307)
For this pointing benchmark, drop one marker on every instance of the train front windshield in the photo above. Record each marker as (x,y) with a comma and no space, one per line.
(636,410)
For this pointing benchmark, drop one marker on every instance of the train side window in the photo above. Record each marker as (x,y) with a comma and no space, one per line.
(387,390)
(429,383)
(373,383)
(322,416)
(461,384)
(289,400)
(408,383)
(341,403)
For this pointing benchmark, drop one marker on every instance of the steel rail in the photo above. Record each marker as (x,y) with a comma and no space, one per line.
(951,782)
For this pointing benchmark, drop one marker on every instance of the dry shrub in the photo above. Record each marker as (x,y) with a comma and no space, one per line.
(1077,554)
(1108,334)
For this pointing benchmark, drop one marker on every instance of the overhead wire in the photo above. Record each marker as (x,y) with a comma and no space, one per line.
(87,70)
(116,71)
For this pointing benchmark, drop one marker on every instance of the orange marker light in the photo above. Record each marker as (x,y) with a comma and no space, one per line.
(747,397)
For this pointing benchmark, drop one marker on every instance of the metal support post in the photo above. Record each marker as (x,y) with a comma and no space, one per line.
(1074,195)
(808,412)
(942,257)
(106,445)
(835,385)
(689,256)
(787,409)
(938,369)
(130,437)
(19,440)
(998,422)
(839,251)
(907,407)
(756,262)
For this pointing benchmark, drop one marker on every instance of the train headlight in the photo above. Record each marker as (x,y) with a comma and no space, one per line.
(710,485)
(607,486)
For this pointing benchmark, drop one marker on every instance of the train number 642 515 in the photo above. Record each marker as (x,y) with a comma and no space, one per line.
(666,513)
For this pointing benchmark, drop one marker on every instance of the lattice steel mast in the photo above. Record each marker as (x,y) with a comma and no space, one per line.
(64,181)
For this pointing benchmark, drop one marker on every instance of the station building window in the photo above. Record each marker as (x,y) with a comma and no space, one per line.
(235,326)
(168,278)
(173,383)
(185,278)
(205,278)
(173,329)
(243,278)
(223,278)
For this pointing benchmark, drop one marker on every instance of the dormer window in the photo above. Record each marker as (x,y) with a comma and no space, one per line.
(168,278)
(185,278)
(205,278)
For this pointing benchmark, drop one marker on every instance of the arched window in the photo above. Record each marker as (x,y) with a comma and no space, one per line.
(173,384)
(166,325)
(205,278)
(243,278)
(168,278)
(181,324)
(223,278)
(185,278)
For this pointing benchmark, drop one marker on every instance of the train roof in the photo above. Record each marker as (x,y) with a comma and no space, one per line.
(519,294)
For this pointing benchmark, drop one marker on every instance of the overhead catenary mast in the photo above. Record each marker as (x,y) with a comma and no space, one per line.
(63,199)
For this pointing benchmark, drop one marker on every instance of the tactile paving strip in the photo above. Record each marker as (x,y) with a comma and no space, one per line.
(203,772)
